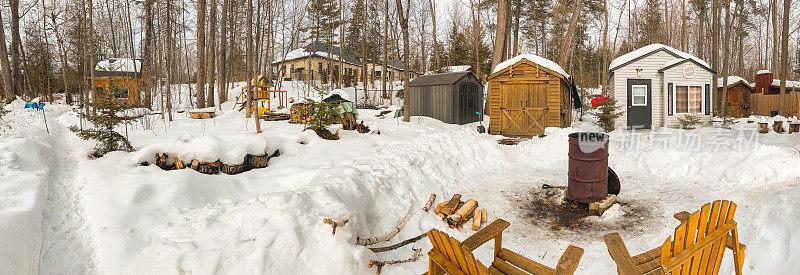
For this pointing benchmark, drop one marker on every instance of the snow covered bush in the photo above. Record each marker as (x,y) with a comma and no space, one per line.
(104,118)
(608,111)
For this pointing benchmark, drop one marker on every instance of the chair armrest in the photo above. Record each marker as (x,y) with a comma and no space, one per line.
(616,247)
(682,216)
(568,262)
(485,234)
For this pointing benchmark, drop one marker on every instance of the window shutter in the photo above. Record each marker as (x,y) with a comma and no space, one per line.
(708,99)
(670,92)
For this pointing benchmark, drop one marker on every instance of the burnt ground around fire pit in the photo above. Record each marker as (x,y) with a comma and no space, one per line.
(549,209)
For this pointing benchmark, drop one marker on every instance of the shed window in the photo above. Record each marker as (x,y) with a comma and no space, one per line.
(639,95)
(121,93)
(688,99)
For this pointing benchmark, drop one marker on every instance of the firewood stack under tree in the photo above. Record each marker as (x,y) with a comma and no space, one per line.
(456,212)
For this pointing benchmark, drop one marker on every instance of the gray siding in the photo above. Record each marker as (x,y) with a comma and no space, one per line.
(650,66)
(442,102)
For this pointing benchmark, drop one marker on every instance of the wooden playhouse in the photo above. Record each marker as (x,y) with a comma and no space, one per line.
(527,94)
(119,76)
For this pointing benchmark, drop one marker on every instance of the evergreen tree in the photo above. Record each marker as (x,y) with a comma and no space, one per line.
(105,117)
(325,20)
(458,52)
(651,29)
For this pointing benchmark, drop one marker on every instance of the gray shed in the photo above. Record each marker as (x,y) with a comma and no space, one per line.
(451,97)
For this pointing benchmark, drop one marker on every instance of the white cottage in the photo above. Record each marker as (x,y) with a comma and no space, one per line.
(657,84)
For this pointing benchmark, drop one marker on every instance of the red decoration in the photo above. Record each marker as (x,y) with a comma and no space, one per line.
(598,100)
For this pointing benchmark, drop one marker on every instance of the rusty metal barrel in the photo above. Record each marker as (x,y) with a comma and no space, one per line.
(588,167)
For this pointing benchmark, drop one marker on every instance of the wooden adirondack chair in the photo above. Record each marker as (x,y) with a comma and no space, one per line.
(453,257)
(697,247)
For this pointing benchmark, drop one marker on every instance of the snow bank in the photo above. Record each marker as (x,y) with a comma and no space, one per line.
(210,149)
(648,49)
(544,62)
(25,166)
(707,155)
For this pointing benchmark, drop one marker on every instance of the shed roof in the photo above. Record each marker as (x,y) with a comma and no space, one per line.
(651,49)
(118,67)
(438,79)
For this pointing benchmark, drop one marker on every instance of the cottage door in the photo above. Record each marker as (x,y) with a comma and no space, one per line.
(523,108)
(640,105)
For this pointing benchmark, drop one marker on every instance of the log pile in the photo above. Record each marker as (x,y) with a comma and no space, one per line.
(215,167)
(456,212)
(270,116)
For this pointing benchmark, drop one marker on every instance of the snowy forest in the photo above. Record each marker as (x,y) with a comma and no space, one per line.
(55,40)
(399,137)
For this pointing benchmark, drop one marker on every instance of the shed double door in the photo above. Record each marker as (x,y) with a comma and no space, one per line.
(523,108)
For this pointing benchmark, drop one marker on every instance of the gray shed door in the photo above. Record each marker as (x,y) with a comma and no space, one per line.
(640,104)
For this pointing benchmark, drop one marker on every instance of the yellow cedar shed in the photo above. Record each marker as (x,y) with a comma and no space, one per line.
(525,97)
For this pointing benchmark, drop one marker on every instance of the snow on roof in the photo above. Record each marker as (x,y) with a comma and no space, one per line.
(731,80)
(789,84)
(454,69)
(339,92)
(625,58)
(300,53)
(119,65)
(544,62)
(763,72)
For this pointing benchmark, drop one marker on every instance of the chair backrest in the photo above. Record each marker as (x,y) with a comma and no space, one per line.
(699,243)
(455,252)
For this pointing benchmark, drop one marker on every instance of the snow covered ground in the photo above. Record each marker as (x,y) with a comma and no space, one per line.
(61,212)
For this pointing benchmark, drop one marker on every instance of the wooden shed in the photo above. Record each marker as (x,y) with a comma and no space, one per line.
(451,97)
(527,94)
(738,96)
(123,73)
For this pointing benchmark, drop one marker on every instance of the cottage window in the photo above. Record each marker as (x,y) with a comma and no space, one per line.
(639,95)
(688,99)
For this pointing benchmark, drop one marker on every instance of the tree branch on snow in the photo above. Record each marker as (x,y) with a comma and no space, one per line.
(380,264)
(335,224)
(398,245)
(396,229)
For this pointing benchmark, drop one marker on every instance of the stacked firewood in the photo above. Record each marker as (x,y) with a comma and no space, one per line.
(456,212)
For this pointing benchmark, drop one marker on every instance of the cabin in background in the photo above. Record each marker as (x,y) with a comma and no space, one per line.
(527,94)
(657,84)
(738,96)
(123,73)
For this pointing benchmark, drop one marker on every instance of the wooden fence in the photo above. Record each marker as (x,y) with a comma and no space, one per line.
(762,104)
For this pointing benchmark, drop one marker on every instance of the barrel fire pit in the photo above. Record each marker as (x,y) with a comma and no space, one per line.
(588,167)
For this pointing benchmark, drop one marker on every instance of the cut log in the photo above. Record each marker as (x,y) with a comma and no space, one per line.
(462,214)
(161,161)
(178,163)
(483,215)
(476,221)
(256,161)
(451,205)
(794,128)
(599,207)
(233,169)
(763,128)
(211,168)
(777,126)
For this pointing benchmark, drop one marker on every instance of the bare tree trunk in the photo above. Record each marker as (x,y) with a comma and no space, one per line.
(726,60)
(363,53)
(775,38)
(684,31)
(568,41)
(249,58)
(111,26)
(715,36)
(201,56)
(606,51)
(212,53)
(91,47)
(500,42)
(16,77)
(784,55)
(436,64)
(61,53)
(476,34)
(147,62)
(221,66)
(6,65)
(402,18)
(385,49)
(517,11)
